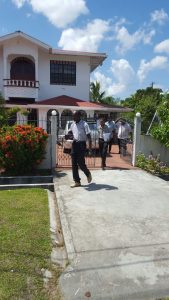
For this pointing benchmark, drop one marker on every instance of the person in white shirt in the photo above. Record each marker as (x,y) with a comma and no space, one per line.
(123,132)
(80,133)
(104,138)
(112,127)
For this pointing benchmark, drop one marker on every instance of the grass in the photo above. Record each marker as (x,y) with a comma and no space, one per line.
(25,246)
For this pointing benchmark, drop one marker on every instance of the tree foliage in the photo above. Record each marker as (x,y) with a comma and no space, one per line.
(95,93)
(5,113)
(161,131)
(99,97)
(146,102)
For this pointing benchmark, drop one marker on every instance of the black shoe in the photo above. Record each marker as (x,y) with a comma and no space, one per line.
(89,178)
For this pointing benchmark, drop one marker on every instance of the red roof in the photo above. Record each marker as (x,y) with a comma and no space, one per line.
(68,101)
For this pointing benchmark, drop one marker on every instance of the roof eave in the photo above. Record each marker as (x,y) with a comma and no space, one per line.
(25,36)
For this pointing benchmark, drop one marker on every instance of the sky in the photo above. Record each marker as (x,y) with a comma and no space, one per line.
(133,34)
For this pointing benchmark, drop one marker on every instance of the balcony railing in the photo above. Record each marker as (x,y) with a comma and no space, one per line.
(21,83)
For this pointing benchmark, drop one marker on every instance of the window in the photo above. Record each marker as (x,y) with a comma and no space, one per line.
(62,72)
(22,68)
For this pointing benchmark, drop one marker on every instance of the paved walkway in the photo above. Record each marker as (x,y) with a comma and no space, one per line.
(116,233)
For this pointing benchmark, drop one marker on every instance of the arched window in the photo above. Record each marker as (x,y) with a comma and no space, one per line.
(22,68)
(67,115)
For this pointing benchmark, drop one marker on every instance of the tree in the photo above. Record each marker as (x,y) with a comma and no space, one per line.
(99,97)
(5,113)
(95,94)
(160,131)
(146,102)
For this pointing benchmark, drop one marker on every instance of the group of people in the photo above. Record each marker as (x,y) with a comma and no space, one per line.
(110,130)
(80,132)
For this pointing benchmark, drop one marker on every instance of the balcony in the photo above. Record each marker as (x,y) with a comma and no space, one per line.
(21,88)
(21,83)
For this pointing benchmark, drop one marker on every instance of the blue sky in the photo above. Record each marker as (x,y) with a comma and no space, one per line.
(133,34)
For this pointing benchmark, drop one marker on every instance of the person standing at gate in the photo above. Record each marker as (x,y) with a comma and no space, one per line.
(104,138)
(112,127)
(123,132)
(80,133)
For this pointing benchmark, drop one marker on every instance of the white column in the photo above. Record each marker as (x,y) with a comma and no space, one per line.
(136,138)
(36,78)
(54,138)
(5,77)
(42,118)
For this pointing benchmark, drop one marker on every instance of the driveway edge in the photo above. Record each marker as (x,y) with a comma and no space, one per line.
(67,235)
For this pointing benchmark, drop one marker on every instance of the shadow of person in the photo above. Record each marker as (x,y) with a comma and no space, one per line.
(94,187)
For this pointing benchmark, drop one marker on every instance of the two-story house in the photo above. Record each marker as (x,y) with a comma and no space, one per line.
(40,79)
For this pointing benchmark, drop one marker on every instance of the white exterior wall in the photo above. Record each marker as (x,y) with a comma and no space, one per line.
(149,145)
(1,71)
(18,47)
(80,91)
(13,48)
(21,92)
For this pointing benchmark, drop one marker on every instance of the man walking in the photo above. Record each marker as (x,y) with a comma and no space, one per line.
(80,132)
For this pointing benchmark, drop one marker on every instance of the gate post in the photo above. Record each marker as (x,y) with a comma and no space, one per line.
(54,137)
(136,139)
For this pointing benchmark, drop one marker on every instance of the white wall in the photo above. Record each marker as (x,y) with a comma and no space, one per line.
(1,71)
(149,144)
(80,91)
(21,47)
(46,163)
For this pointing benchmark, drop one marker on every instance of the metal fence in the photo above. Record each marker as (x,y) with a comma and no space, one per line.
(93,160)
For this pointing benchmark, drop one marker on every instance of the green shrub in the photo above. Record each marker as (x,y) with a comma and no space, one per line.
(161,131)
(152,164)
(22,148)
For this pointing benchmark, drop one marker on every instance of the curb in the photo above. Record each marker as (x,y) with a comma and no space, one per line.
(71,253)
(15,182)
(58,254)
(21,186)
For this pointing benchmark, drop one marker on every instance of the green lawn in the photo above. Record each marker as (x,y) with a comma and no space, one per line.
(25,245)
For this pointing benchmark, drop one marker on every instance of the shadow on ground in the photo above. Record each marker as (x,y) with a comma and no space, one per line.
(95,187)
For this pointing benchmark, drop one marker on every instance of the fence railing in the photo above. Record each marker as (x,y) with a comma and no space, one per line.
(21,83)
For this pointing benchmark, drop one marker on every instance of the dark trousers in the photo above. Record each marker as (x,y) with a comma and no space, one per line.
(122,145)
(78,160)
(103,150)
(110,144)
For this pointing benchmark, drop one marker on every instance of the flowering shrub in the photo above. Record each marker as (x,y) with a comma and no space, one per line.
(22,148)
(152,164)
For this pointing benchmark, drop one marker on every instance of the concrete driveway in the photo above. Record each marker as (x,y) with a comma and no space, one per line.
(116,232)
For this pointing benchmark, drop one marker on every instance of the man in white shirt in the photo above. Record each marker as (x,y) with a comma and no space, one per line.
(104,138)
(123,131)
(112,128)
(81,132)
